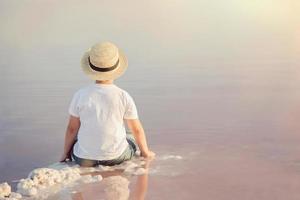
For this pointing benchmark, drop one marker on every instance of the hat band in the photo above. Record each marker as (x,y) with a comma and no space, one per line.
(102,69)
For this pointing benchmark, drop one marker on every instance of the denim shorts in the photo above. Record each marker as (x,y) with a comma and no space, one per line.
(126,155)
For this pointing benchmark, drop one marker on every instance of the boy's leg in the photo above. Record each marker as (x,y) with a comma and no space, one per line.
(84,162)
(131,141)
(131,149)
(126,155)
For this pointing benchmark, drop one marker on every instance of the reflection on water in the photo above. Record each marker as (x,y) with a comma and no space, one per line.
(115,186)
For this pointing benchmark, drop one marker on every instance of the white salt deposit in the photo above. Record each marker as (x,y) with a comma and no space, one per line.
(90,178)
(132,167)
(140,171)
(105,168)
(88,169)
(15,195)
(6,194)
(27,187)
(168,157)
(43,178)
(5,190)
(8,198)
(69,175)
(43,182)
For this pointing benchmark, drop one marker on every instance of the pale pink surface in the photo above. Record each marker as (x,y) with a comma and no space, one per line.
(215,82)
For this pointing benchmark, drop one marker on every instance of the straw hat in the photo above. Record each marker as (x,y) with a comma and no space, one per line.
(104,61)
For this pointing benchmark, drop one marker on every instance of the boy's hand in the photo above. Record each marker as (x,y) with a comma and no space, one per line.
(65,157)
(149,154)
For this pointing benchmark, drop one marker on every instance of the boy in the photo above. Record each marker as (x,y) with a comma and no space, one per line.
(96,133)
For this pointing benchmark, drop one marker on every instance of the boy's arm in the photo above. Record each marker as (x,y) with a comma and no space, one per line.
(71,133)
(139,135)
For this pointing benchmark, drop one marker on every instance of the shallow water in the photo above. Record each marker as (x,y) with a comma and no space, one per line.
(235,128)
(224,96)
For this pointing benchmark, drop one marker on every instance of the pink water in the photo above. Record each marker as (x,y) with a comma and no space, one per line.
(234,124)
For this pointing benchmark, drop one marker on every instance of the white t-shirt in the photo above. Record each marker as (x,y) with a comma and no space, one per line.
(102,109)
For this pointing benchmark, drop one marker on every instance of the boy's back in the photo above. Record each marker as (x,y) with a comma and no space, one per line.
(102,109)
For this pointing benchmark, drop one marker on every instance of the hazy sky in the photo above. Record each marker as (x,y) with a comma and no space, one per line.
(163,30)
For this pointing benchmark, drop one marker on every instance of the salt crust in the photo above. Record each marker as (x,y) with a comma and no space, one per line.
(59,176)
(5,189)
(140,171)
(41,179)
(170,157)
(6,194)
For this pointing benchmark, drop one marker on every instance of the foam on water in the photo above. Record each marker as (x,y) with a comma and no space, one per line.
(170,157)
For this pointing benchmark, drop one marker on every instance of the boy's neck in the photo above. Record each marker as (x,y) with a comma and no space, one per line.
(104,82)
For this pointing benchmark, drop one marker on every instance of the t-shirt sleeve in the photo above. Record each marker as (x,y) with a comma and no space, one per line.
(130,108)
(73,107)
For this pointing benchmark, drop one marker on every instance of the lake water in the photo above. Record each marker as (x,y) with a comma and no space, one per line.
(235,125)
(217,86)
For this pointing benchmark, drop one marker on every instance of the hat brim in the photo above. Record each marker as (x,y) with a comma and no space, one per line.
(110,75)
